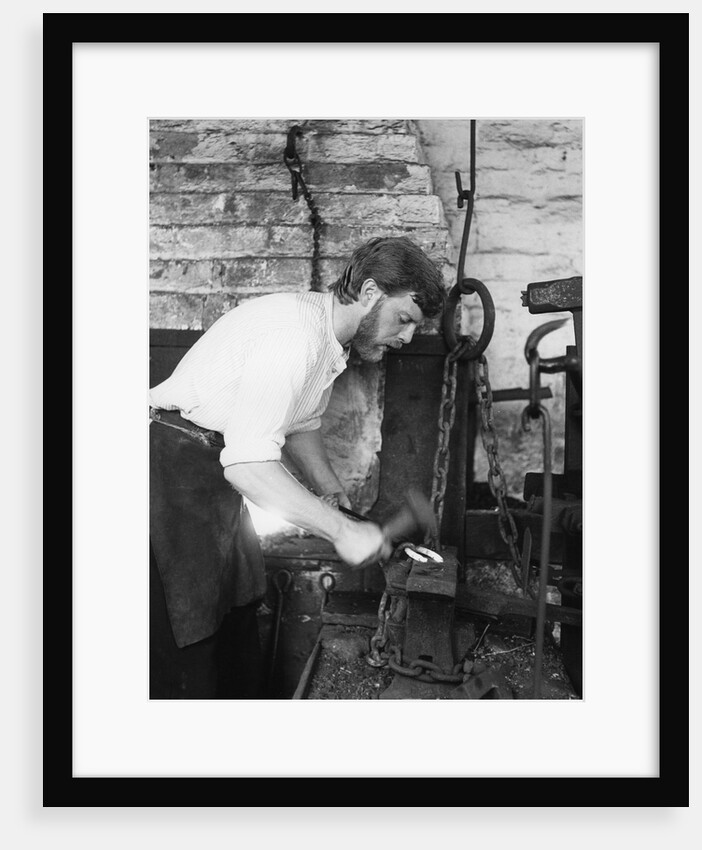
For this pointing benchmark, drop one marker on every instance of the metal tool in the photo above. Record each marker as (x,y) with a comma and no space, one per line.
(415,517)
(535,410)
(353,514)
(526,560)
(281,581)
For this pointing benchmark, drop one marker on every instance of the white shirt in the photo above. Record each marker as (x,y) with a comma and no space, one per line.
(262,371)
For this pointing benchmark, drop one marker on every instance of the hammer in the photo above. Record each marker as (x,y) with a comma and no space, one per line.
(415,515)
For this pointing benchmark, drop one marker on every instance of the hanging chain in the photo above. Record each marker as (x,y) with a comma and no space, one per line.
(294,166)
(496,478)
(377,657)
(447,416)
(447,407)
(316,221)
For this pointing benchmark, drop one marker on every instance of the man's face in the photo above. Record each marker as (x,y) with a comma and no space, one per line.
(390,323)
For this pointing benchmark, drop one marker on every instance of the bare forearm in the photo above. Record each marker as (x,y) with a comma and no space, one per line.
(270,486)
(309,454)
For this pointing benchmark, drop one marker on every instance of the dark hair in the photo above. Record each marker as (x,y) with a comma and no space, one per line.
(398,266)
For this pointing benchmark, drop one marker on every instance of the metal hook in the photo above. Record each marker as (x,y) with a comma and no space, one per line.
(538,334)
(327,582)
(463,194)
(282,580)
(294,166)
(536,367)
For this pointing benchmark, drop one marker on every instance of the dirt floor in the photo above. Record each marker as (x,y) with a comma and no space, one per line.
(505,661)
(342,672)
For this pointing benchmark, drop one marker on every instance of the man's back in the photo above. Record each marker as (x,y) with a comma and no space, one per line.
(269,360)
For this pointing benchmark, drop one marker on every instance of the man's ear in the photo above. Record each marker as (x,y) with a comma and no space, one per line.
(369,293)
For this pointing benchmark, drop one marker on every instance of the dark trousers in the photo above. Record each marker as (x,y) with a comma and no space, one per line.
(226,665)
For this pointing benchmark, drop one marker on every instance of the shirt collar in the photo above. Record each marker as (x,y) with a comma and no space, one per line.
(339,352)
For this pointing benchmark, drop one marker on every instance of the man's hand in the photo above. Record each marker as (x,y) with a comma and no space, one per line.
(361,544)
(270,486)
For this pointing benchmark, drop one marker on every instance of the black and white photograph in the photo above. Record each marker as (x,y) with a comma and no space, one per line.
(395,308)
(365,436)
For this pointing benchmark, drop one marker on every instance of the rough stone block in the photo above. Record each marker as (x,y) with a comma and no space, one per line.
(351,427)
(368,177)
(259,274)
(379,176)
(279,208)
(269,147)
(345,238)
(229,241)
(226,208)
(182,311)
(218,177)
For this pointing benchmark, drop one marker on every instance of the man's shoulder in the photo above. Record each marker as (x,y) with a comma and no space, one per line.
(305,309)
(299,318)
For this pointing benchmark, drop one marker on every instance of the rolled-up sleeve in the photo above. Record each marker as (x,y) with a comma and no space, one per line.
(271,383)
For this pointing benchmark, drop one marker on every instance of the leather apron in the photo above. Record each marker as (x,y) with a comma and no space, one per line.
(207,550)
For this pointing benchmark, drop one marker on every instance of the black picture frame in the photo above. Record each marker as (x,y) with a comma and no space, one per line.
(61,788)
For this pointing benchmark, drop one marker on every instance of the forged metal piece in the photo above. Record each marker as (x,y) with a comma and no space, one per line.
(423,554)
(537,365)
(415,619)
(416,556)
(469,286)
(538,334)
(327,582)
(551,296)
(467,196)
(414,516)
(535,410)
(489,685)
(528,414)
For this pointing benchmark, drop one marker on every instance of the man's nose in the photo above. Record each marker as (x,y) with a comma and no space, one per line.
(407,334)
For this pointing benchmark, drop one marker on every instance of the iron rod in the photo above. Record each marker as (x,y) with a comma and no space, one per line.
(545,554)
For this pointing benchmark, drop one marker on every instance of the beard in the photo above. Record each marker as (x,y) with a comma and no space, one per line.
(365,340)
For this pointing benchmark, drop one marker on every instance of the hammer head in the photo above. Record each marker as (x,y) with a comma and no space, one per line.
(414,517)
